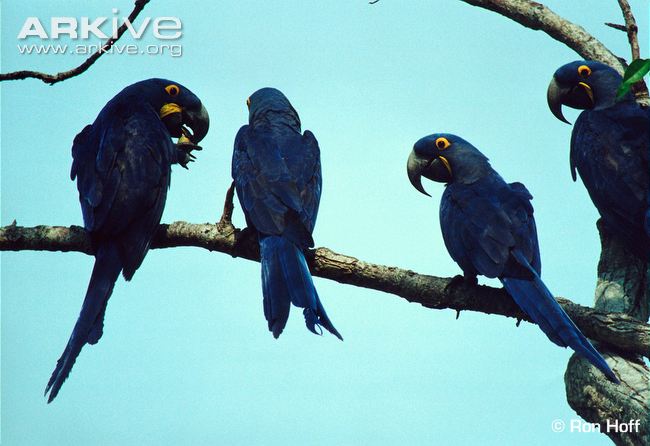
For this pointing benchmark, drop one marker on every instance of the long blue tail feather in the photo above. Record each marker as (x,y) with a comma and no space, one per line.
(88,328)
(536,300)
(286,279)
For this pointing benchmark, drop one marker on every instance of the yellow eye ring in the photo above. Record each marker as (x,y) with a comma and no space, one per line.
(584,71)
(248,102)
(172,90)
(442,143)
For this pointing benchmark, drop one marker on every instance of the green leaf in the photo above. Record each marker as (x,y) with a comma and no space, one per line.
(634,73)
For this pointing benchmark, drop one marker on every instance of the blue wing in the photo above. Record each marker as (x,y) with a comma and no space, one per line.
(122,164)
(609,149)
(483,222)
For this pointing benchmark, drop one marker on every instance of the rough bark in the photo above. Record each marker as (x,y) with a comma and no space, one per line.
(626,333)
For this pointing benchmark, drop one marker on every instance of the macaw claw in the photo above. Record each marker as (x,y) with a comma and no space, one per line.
(460,280)
(184,154)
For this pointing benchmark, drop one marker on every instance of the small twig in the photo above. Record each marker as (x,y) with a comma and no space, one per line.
(54,78)
(373,2)
(228,208)
(617,26)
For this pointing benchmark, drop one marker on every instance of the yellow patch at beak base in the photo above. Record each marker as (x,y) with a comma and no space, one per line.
(169,109)
(446,163)
(589,91)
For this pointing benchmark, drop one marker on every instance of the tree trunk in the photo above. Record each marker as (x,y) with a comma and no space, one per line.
(622,287)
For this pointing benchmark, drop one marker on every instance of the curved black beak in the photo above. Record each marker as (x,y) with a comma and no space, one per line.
(436,169)
(556,95)
(414,167)
(198,122)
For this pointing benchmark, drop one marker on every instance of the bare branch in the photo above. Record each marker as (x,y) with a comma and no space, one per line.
(54,78)
(621,332)
(631,28)
(640,88)
(228,207)
(539,17)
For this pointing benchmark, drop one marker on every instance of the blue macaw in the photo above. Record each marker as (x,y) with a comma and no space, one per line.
(609,148)
(488,228)
(277,176)
(122,163)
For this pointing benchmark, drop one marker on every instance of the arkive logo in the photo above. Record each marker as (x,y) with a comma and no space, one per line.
(163,28)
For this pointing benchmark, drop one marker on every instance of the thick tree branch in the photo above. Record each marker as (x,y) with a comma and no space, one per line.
(54,78)
(537,16)
(624,333)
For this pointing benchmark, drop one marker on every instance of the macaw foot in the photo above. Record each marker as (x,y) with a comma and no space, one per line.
(246,240)
(184,149)
(460,280)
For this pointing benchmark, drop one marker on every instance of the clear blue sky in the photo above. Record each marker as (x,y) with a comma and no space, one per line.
(186,357)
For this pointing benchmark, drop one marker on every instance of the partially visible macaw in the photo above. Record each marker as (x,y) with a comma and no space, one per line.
(488,228)
(122,163)
(609,148)
(277,176)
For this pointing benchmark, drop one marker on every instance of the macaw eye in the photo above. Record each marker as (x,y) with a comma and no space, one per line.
(248,102)
(584,71)
(442,143)
(172,90)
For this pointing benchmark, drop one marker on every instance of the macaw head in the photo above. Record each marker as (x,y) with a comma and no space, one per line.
(583,84)
(445,158)
(269,106)
(179,109)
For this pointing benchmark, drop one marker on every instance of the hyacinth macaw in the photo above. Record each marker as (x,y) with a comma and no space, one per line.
(609,148)
(277,174)
(122,163)
(488,228)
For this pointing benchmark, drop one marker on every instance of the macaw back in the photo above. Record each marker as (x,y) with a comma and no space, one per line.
(277,176)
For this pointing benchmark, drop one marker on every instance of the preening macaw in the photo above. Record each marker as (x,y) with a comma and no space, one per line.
(609,148)
(488,228)
(277,175)
(122,163)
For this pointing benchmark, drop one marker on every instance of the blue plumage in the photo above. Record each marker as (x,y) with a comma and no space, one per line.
(277,177)
(122,163)
(489,229)
(610,147)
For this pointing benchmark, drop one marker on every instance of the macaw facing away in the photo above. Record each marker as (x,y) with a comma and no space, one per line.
(609,148)
(488,228)
(277,175)
(122,163)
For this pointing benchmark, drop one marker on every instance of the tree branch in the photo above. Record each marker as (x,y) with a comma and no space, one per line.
(536,16)
(54,78)
(622,332)
(640,88)
(630,28)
